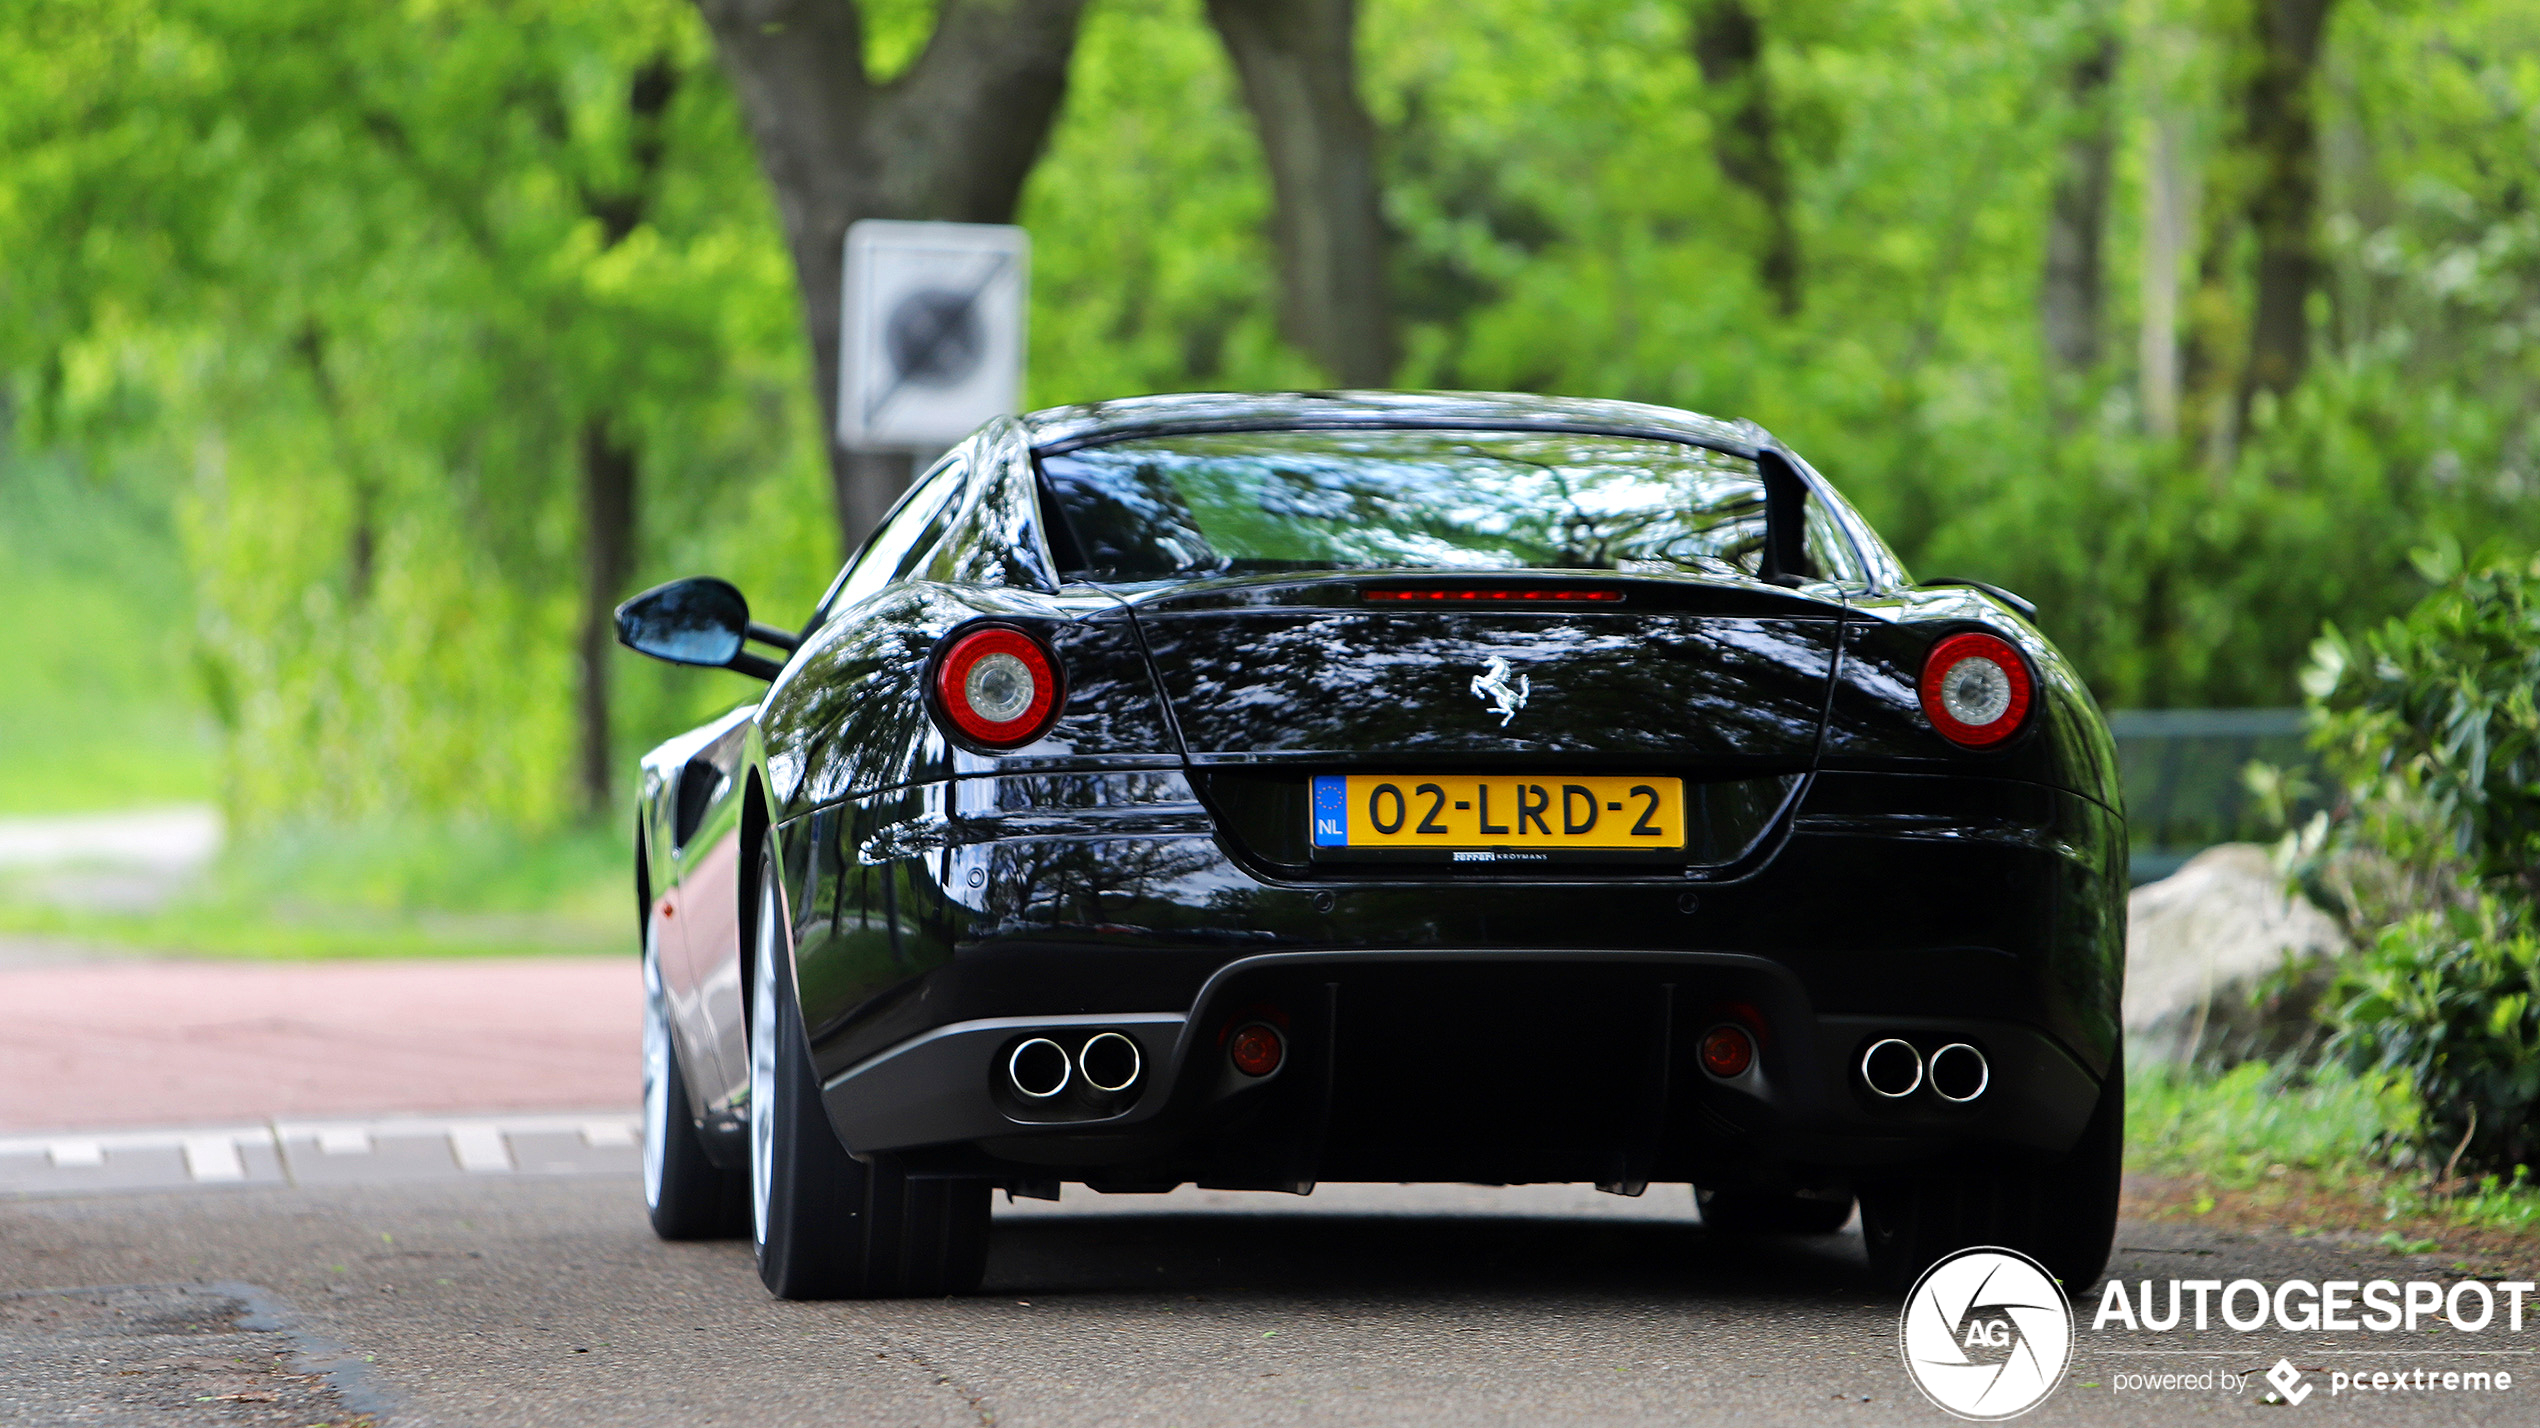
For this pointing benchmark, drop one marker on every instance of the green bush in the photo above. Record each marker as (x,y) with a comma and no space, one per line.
(2430,723)
(2449,1001)
(2433,854)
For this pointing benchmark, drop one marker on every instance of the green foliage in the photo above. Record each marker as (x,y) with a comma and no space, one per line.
(2428,724)
(1563,226)
(1152,268)
(100,613)
(412,887)
(337,287)
(2430,721)
(348,283)
(2449,1001)
(2240,1124)
(2255,1123)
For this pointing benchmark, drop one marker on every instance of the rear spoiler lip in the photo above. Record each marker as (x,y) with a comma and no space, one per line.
(1058,432)
(2026,607)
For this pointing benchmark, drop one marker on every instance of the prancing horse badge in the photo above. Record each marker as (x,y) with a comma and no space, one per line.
(1506,695)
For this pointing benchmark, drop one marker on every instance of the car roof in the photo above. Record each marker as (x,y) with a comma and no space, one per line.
(1067,428)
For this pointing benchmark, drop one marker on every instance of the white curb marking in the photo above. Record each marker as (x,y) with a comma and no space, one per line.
(343,1140)
(220,1155)
(480,1148)
(215,1157)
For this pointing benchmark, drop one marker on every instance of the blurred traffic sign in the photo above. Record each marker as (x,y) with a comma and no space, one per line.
(931,342)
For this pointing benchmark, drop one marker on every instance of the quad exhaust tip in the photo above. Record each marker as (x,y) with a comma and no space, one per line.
(1040,1068)
(1892,1068)
(1110,1062)
(1959,1073)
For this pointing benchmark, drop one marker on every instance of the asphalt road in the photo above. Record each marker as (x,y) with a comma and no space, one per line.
(527,1301)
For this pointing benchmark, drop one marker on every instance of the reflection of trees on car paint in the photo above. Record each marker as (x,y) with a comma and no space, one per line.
(1696,687)
(1056,857)
(862,686)
(1315,500)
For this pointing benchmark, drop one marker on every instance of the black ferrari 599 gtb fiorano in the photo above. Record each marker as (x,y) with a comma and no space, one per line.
(1259,791)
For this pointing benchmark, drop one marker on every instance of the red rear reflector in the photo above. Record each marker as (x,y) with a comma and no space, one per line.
(1553,596)
(1727,1051)
(1255,1049)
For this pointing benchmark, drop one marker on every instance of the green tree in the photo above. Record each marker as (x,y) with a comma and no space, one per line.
(421,295)
(444,326)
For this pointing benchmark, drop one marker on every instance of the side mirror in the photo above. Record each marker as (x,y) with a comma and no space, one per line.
(699,621)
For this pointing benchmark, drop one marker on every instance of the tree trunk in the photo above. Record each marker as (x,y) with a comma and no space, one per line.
(864,484)
(608,561)
(2069,300)
(1729,46)
(361,543)
(1297,63)
(953,138)
(609,460)
(2169,204)
(2216,332)
(2282,135)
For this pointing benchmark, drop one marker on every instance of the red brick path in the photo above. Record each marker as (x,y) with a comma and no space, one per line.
(96,1044)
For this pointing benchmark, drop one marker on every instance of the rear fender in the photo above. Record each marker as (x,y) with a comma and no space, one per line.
(1876,721)
(850,717)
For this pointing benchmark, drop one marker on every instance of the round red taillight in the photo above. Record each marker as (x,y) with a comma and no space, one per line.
(998,686)
(1727,1051)
(1255,1049)
(1975,689)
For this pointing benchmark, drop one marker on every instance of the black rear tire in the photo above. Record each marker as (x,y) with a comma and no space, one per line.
(687,1196)
(2060,1212)
(830,1226)
(1761,1212)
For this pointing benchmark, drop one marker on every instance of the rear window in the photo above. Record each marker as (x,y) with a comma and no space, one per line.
(1241,503)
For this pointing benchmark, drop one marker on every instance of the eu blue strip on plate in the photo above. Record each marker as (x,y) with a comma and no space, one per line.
(1331,811)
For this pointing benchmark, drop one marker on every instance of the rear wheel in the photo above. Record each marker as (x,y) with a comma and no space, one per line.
(2061,1213)
(1761,1212)
(687,1195)
(829,1226)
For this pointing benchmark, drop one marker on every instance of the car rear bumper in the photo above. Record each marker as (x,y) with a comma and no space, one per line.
(1462,1065)
(1487,1029)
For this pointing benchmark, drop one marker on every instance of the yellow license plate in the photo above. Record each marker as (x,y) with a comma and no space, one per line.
(1467,811)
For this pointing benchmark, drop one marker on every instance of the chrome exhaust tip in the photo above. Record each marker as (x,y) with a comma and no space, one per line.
(1039,1068)
(1110,1062)
(1959,1072)
(1892,1068)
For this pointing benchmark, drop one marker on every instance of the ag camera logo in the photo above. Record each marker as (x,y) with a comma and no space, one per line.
(1986,1334)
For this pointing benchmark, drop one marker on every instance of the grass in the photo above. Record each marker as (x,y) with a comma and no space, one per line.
(99,709)
(404,890)
(2313,1152)
(2239,1126)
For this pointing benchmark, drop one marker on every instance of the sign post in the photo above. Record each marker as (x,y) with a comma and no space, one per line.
(931,341)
